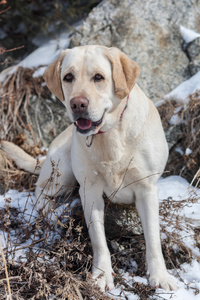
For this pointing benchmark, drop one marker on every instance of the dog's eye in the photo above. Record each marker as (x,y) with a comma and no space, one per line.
(98,78)
(69,77)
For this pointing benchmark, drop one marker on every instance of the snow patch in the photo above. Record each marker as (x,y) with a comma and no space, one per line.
(173,188)
(188,35)
(188,151)
(39,72)
(47,53)
(181,93)
(41,57)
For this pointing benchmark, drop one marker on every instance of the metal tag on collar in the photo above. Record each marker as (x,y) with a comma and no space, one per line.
(89,140)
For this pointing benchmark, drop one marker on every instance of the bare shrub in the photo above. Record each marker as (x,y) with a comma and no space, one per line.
(186,164)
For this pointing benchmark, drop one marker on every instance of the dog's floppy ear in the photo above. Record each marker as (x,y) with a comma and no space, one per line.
(52,76)
(125,72)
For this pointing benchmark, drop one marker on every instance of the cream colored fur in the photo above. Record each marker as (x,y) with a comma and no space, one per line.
(124,162)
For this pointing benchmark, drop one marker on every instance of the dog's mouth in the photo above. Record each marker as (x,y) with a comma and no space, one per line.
(86,125)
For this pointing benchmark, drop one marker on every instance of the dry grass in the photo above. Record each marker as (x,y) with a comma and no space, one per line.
(57,260)
(12,177)
(16,92)
(48,259)
(187,165)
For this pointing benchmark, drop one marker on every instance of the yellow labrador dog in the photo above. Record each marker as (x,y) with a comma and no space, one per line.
(116,145)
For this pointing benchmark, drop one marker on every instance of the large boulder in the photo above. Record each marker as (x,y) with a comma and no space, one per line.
(148,32)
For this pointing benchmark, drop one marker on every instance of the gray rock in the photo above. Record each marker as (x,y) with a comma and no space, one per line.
(47,118)
(193,51)
(194,66)
(122,221)
(173,135)
(148,32)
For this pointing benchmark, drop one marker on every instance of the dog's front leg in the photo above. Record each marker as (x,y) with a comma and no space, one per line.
(148,208)
(93,206)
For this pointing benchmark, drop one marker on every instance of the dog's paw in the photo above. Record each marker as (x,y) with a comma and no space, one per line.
(104,279)
(163,281)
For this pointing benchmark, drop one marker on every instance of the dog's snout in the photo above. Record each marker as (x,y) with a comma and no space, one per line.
(79,104)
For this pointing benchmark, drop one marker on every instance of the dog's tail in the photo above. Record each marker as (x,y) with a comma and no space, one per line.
(21,158)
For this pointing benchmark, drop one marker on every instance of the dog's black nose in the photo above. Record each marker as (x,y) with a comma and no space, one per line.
(79,104)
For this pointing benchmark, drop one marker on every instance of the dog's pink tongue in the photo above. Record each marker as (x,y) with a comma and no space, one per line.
(84,123)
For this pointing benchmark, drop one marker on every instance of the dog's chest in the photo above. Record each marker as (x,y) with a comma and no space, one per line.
(119,177)
(114,161)
(109,160)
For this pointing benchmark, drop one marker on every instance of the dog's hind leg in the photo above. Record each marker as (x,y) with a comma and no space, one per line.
(22,159)
(56,176)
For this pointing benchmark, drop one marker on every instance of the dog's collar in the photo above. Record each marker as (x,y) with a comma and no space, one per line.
(100,132)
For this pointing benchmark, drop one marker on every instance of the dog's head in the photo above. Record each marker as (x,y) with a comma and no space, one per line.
(91,81)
